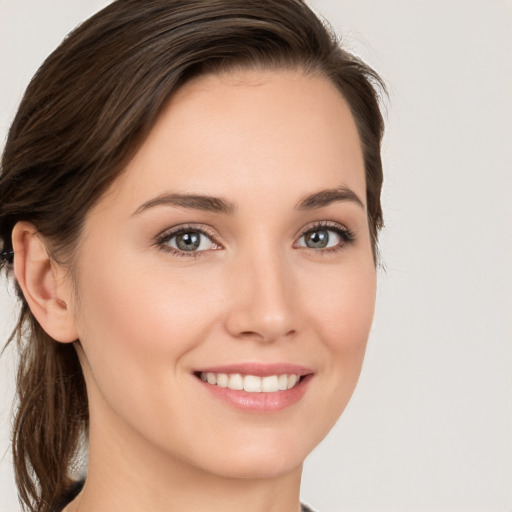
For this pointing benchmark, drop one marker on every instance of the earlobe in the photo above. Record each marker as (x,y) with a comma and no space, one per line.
(42,283)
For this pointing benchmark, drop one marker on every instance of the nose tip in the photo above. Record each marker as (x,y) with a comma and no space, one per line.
(262,307)
(268,328)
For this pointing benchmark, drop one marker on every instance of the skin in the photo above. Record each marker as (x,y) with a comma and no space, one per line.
(147,318)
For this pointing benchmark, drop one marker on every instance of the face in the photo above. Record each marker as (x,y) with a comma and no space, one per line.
(233,252)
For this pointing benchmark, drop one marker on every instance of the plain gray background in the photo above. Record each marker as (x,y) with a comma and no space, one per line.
(430,425)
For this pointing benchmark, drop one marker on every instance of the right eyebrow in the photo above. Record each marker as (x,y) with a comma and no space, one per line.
(192,201)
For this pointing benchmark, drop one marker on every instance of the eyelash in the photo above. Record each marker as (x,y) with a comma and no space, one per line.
(346,235)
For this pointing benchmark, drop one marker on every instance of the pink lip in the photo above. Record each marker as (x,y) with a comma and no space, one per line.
(259,402)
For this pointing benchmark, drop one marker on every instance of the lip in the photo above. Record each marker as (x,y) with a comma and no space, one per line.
(258,402)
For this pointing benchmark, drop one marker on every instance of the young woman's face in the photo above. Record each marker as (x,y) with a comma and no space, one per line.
(235,248)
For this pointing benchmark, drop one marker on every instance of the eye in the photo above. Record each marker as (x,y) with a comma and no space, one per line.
(325,237)
(187,240)
(319,239)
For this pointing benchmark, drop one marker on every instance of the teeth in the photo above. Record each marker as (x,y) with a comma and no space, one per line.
(222,380)
(236,381)
(282,382)
(251,383)
(292,380)
(270,384)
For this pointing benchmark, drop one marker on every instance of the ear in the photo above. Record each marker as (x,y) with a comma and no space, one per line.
(45,284)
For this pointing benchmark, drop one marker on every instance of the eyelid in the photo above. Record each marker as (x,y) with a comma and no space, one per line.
(328,224)
(173,230)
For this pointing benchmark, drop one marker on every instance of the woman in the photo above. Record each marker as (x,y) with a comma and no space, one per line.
(190,204)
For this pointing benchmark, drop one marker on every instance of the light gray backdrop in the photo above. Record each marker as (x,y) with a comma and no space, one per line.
(430,425)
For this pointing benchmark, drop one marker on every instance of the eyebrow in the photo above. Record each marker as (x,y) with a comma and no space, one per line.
(193,201)
(219,205)
(326,197)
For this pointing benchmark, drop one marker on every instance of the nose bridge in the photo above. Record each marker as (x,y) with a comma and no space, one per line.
(262,293)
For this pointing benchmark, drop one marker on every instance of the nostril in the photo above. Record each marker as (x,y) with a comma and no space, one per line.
(262,322)
(267,335)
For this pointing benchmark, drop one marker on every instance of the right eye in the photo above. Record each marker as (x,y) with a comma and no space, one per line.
(187,241)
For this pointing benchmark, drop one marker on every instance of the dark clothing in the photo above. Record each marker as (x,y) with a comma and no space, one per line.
(68,496)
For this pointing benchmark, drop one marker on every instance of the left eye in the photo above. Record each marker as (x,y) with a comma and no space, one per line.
(320,238)
(190,240)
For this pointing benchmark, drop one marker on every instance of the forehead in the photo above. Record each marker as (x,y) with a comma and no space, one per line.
(249,132)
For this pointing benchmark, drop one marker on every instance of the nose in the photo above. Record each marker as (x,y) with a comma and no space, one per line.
(262,300)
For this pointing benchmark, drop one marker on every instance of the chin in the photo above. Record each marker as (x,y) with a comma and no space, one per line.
(260,466)
(266,455)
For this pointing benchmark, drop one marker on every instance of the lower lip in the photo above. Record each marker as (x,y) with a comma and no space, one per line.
(260,402)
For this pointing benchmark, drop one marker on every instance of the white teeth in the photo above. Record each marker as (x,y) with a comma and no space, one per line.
(282,382)
(222,380)
(292,380)
(236,382)
(270,384)
(251,383)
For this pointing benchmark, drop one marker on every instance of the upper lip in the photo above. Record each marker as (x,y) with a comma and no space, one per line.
(258,369)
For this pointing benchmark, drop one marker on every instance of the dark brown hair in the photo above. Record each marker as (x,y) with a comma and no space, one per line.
(85,114)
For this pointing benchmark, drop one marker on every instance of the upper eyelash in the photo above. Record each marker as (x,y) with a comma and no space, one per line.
(346,234)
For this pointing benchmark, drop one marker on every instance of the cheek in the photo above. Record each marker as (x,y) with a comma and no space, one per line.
(144,310)
(139,323)
(342,303)
(342,313)
(138,334)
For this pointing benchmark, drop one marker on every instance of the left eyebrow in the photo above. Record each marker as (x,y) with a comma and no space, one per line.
(326,197)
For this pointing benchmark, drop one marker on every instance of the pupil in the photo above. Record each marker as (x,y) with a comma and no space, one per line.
(188,241)
(317,239)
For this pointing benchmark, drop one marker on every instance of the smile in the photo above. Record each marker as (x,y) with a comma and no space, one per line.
(251,383)
(256,387)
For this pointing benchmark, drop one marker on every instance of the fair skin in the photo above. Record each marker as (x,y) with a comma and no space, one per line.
(283,282)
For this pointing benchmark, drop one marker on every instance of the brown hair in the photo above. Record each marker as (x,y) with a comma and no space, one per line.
(84,115)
